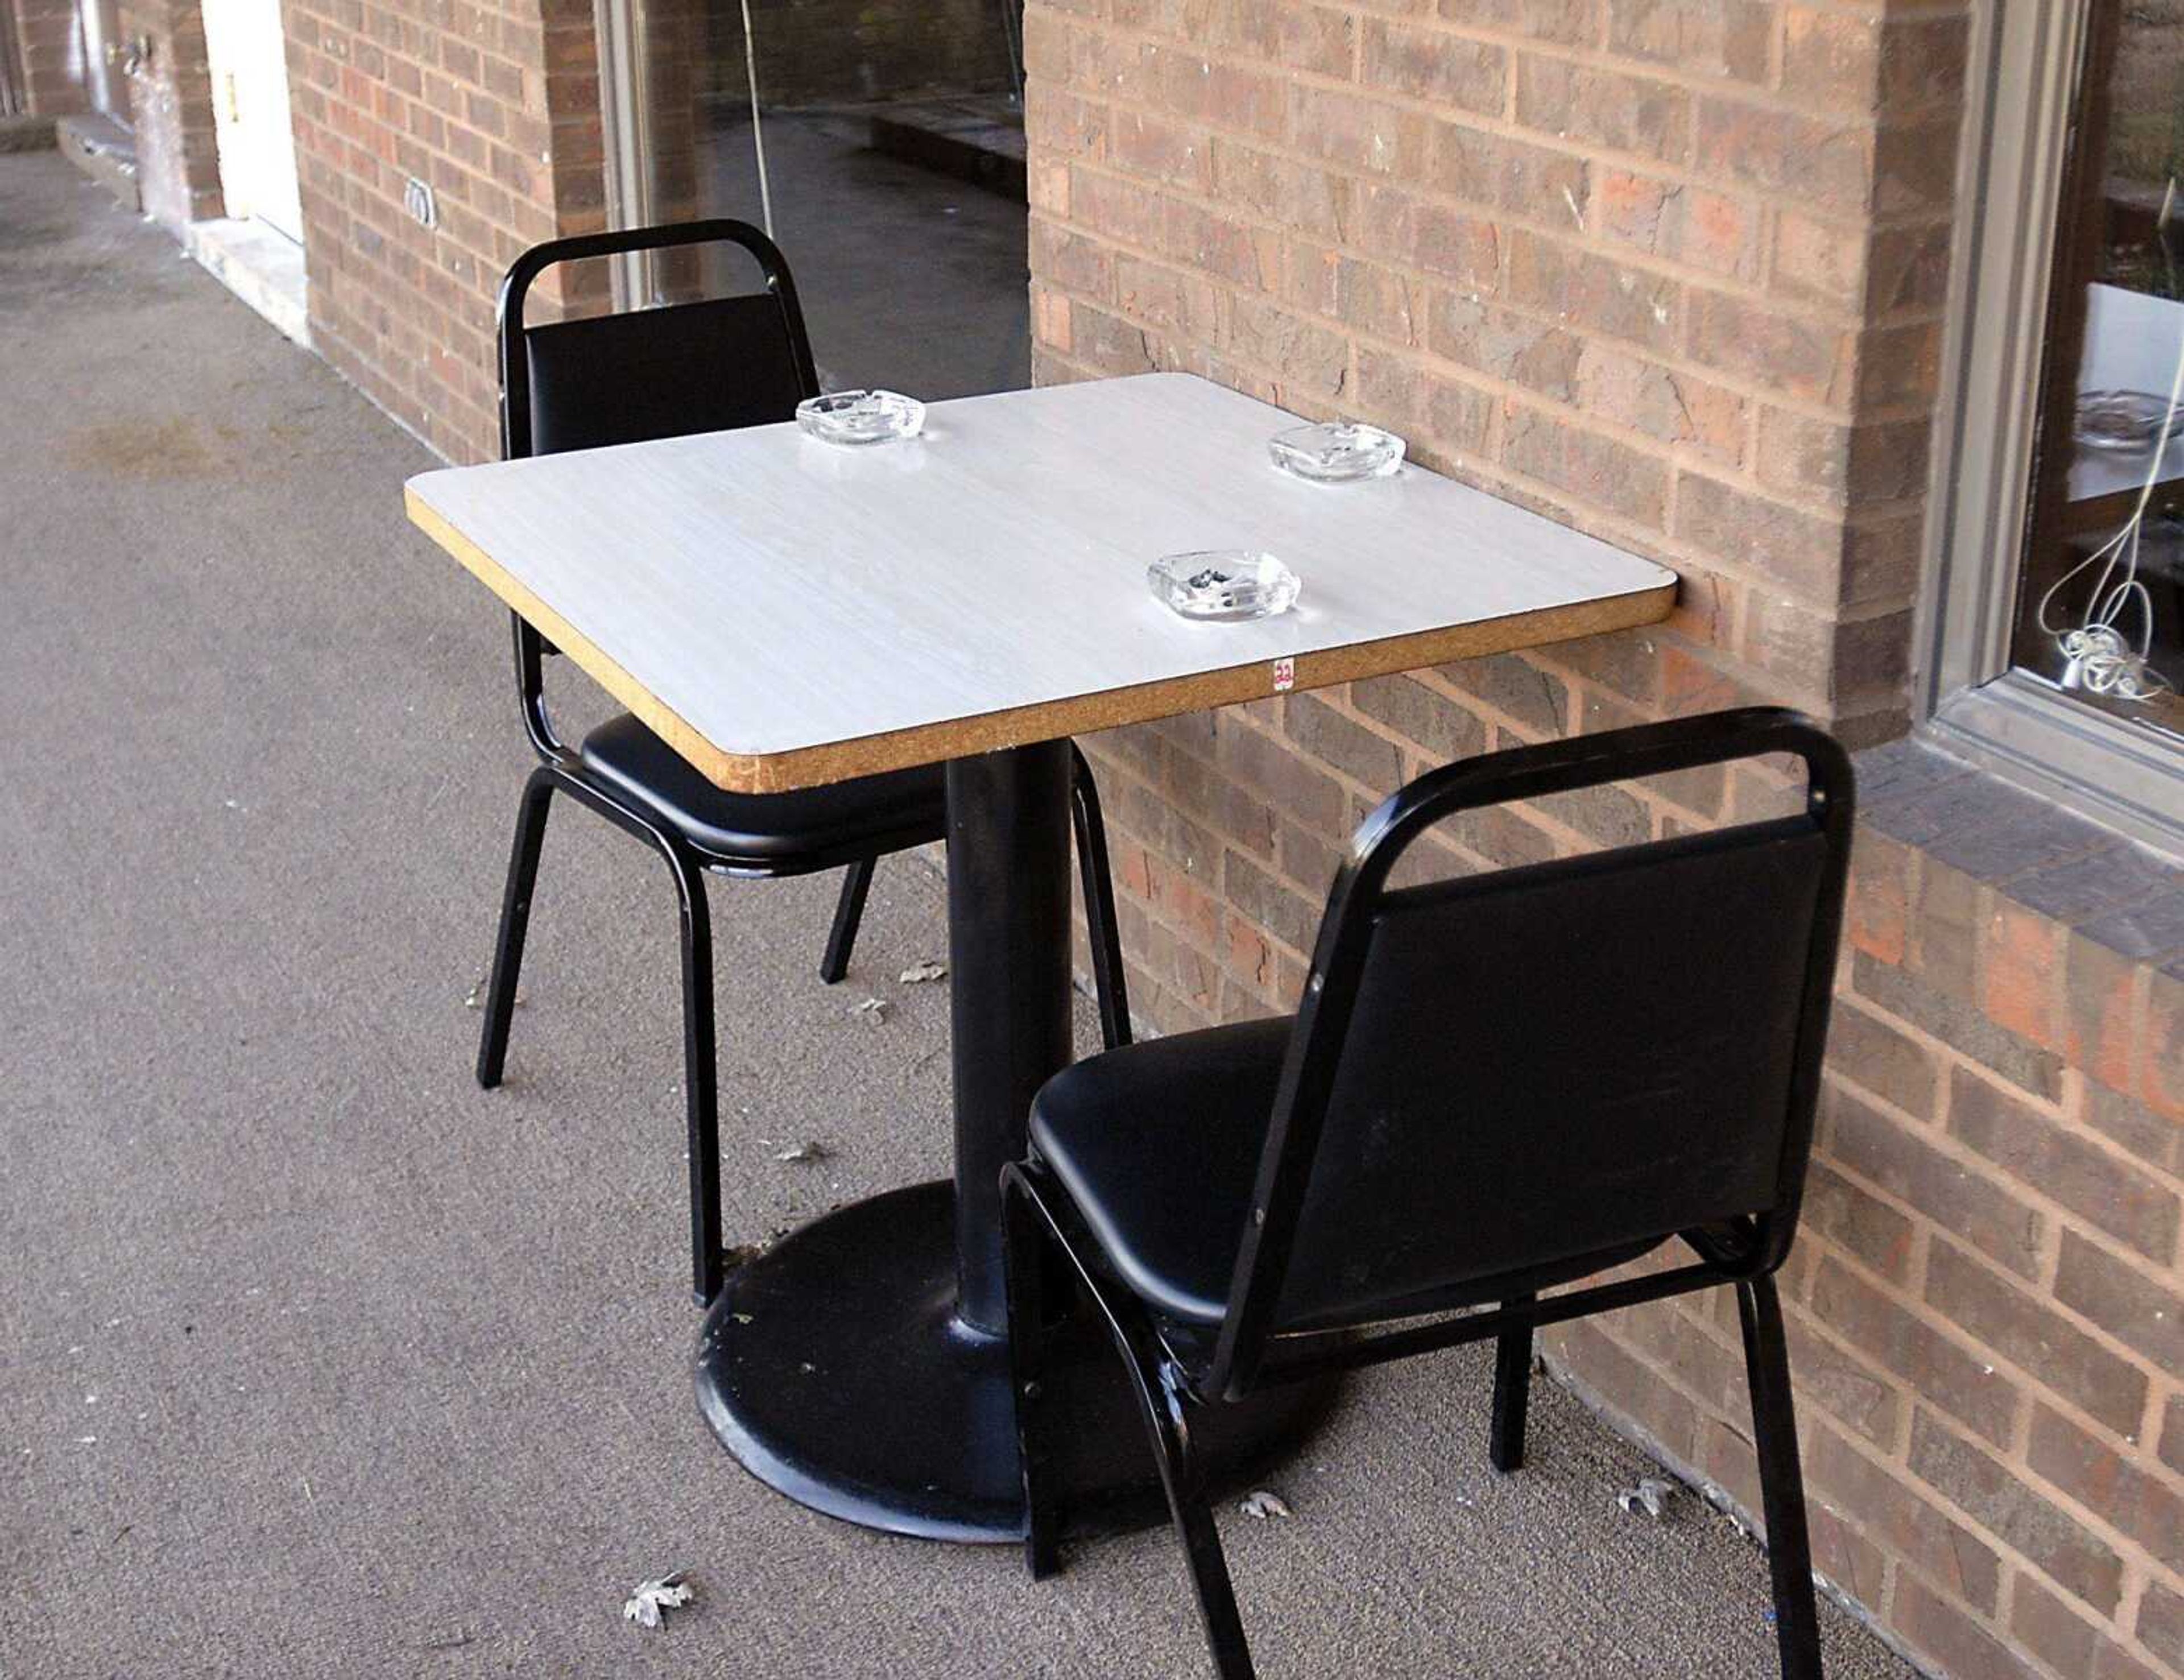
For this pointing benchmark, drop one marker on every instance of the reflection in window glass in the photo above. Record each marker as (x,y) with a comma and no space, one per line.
(2101,607)
(887,142)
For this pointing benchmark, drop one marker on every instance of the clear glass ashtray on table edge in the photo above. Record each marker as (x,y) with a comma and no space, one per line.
(1223,584)
(1338,452)
(2120,422)
(858,417)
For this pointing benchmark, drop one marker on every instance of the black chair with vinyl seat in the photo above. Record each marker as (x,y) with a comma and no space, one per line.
(626,378)
(1497,1086)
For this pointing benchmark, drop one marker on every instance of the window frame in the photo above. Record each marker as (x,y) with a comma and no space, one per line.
(2028,56)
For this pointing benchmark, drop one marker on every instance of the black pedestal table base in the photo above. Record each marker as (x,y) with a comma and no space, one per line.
(835,1368)
(861,1366)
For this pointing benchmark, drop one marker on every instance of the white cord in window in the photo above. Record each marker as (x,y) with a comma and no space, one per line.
(758,127)
(2098,656)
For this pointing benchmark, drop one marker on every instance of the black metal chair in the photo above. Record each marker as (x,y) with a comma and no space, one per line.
(1496,1086)
(625,378)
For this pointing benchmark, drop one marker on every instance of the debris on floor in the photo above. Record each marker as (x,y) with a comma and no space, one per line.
(920,974)
(1651,1498)
(742,1253)
(654,1598)
(811,1150)
(1264,1503)
(872,1010)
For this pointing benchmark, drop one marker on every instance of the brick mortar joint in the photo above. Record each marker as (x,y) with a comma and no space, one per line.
(1767,95)
(1857,221)
(1854,328)
(1662,541)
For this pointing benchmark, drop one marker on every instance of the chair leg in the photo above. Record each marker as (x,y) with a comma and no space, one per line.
(1513,1390)
(1026,1251)
(1781,1484)
(849,911)
(1100,926)
(1168,1418)
(701,1076)
(515,920)
(1034,1238)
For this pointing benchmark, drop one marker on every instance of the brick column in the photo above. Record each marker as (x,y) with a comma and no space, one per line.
(1672,272)
(170,109)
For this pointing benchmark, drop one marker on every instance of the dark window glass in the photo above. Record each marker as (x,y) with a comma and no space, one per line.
(884,139)
(2100,609)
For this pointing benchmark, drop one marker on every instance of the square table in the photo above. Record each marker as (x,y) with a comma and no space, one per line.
(785,613)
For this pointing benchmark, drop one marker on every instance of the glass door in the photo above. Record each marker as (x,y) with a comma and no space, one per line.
(880,141)
(248,55)
(99,23)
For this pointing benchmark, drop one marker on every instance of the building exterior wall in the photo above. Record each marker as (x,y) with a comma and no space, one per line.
(1675,272)
(497,109)
(1987,1326)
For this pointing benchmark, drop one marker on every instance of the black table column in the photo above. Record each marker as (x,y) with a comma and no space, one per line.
(1008,962)
(860,1366)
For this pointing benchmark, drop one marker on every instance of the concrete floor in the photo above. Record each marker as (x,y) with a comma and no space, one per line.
(316,1359)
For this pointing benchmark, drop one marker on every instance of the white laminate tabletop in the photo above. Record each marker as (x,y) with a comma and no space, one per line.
(788,613)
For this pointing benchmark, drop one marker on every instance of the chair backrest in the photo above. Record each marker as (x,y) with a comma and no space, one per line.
(1500,1078)
(661,372)
(643,374)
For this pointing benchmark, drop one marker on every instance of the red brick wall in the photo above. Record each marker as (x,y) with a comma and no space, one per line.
(47,37)
(495,107)
(1987,1326)
(1673,271)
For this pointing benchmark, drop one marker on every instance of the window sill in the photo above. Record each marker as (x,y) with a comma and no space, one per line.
(2030,847)
(2122,776)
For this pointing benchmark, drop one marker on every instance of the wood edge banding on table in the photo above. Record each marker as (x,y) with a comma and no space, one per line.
(1079,715)
(665,723)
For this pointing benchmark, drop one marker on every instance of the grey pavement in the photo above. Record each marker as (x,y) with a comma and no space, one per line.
(315,1359)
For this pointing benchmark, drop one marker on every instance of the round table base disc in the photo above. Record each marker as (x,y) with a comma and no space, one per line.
(834,1368)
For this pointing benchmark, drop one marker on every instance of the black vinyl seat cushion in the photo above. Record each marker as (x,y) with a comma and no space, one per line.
(1159,1144)
(810,827)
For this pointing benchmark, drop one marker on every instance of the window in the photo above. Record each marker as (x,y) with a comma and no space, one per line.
(881,142)
(2060,603)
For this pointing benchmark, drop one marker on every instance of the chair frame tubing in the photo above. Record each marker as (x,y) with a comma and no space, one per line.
(1513,1390)
(1036,1214)
(700,1050)
(1101,931)
(1041,1221)
(1250,1354)
(1754,1247)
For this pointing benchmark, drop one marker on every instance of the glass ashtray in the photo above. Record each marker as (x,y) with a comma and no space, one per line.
(857,417)
(2120,422)
(1224,583)
(1340,452)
